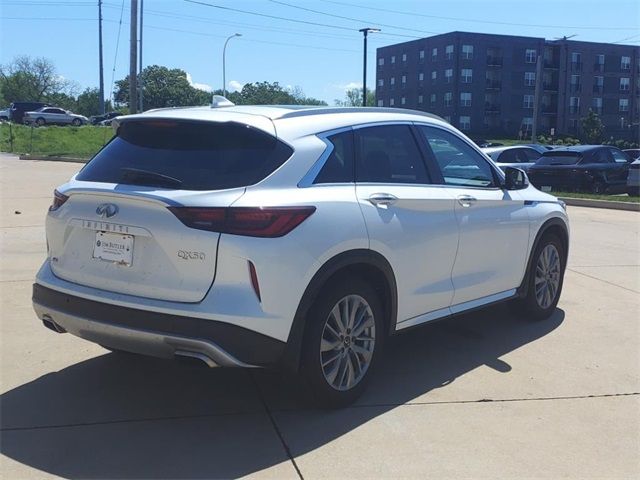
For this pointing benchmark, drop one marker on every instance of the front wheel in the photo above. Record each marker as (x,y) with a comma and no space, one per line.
(545,278)
(76,122)
(343,342)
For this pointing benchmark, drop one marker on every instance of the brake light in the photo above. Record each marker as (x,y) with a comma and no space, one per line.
(267,222)
(58,200)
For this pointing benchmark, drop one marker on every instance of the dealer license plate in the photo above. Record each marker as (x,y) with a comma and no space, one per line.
(545,188)
(114,247)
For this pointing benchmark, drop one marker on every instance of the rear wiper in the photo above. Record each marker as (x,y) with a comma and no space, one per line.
(152,179)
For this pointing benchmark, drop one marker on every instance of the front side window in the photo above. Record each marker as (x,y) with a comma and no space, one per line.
(339,166)
(459,163)
(618,156)
(388,154)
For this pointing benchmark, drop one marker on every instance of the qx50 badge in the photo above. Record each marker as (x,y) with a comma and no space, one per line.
(107,210)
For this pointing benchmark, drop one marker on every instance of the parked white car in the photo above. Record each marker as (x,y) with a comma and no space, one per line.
(298,237)
(54,116)
(515,156)
(4,114)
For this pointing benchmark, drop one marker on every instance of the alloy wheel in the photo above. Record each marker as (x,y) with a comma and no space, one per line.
(547,276)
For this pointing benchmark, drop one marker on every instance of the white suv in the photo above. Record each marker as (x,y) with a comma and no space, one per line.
(292,237)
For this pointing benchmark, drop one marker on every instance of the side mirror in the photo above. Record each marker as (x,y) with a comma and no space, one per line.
(515,179)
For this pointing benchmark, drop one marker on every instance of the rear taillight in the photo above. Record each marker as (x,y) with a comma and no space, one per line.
(58,200)
(249,221)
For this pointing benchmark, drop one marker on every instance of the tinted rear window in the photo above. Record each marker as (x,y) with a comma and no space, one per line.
(187,156)
(559,158)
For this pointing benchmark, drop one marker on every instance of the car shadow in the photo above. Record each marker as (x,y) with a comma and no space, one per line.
(125,416)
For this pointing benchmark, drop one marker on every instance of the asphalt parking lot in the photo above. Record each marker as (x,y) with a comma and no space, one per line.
(485,395)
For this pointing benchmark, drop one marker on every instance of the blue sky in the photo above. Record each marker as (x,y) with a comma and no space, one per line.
(323,60)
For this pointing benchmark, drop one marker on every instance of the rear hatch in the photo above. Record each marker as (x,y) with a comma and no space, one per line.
(114,227)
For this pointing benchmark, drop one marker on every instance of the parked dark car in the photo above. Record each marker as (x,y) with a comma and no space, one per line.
(96,119)
(634,153)
(18,109)
(586,168)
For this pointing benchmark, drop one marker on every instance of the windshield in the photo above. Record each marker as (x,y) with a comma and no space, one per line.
(187,155)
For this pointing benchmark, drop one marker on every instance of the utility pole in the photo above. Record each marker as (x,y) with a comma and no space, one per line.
(140,59)
(101,100)
(133,53)
(536,100)
(365,32)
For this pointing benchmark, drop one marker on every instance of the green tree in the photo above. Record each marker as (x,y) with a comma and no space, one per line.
(163,87)
(353,98)
(267,93)
(592,127)
(88,103)
(32,79)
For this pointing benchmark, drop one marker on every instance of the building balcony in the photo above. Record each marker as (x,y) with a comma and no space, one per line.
(550,87)
(493,85)
(494,61)
(598,89)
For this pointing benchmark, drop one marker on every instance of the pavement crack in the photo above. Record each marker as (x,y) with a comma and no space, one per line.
(604,281)
(275,426)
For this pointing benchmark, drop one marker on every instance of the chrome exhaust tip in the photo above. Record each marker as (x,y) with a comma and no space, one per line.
(51,325)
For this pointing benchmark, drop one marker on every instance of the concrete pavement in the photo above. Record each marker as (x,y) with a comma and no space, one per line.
(485,395)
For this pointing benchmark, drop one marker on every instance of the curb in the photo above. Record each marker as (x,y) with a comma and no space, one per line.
(54,159)
(587,202)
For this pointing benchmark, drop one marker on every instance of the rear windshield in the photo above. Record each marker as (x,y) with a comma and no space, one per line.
(559,158)
(187,155)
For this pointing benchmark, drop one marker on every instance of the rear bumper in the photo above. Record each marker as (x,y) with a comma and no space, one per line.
(155,334)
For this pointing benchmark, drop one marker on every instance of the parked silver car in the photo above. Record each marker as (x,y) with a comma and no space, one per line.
(4,114)
(518,156)
(54,116)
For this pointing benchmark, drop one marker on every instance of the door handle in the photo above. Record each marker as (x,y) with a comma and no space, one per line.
(382,199)
(466,200)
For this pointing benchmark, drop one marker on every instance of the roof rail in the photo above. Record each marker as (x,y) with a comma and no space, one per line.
(329,110)
(220,101)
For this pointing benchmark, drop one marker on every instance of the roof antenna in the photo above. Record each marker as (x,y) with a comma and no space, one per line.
(220,101)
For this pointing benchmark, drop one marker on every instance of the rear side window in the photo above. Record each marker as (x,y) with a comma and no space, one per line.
(339,165)
(187,156)
(388,154)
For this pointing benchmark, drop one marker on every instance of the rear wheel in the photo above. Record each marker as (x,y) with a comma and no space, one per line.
(343,342)
(545,279)
(598,187)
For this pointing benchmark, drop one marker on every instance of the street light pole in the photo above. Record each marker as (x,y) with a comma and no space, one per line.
(365,31)
(224,53)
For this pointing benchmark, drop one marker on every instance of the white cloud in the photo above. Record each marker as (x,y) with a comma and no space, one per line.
(234,86)
(199,86)
(348,86)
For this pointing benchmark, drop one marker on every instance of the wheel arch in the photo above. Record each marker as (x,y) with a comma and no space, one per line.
(367,264)
(554,226)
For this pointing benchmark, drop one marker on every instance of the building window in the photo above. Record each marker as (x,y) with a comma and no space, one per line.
(393,59)
(623,105)
(448,75)
(625,63)
(467,75)
(433,99)
(530,55)
(598,84)
(574,105)
(528,101)
(465,122)
(573,125)
(447,99)
(392,82)
(381,103)
(404,57)
(404,80)
(381,61)
(434,76)
(421,76)
(596,104)
(448,52)
(467,52)
(465,99)
(599,65)
(420,99)
(381,82)
(575,83)
(527,125)
(530,79)
(624,84)
(434,54)
(576,62)
(392,102)
(403,101)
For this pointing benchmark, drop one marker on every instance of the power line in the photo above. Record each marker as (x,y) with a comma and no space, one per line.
(360,20)
(415,14)
(115,58)
(628,38)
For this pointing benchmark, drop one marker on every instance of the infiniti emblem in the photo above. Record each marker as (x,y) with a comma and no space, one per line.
(107,210)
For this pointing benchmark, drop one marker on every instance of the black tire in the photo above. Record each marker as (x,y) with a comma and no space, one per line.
(40,122)
(322,392)
(633,191)
(76,122)
(598,187)
(529,306)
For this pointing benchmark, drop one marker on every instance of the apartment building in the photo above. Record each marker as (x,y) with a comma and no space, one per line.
(485,84)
